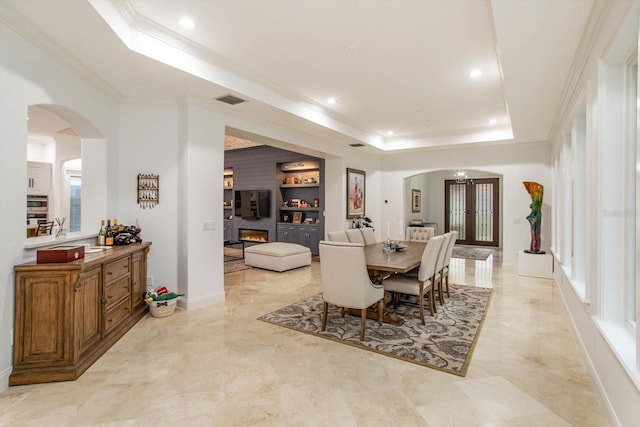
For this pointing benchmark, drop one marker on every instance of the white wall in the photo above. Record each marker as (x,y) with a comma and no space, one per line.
(516,163)
(22,83)
(149,145)
(594,295)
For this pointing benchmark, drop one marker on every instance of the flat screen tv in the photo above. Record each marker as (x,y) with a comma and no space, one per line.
(252,204)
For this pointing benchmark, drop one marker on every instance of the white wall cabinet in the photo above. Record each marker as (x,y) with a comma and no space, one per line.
(38,178)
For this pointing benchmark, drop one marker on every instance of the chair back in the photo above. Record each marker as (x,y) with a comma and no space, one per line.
(355,235)
(419,234)
(429,258)
(452,242)
(338,236)
(443,252)
(44,228)
(345,280)
(369,236)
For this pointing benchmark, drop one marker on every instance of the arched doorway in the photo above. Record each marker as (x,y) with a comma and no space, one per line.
(442,209)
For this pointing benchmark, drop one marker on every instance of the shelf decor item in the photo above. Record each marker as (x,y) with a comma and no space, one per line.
(148,190)
(416,200)
(355,193)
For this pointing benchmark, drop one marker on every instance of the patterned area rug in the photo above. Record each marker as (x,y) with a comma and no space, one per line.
(445,343)
(471,253)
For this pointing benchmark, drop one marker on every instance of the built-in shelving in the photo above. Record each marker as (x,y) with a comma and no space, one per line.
(299,201)
(227,203)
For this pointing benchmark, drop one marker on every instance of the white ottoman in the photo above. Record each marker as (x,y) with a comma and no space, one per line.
(277,256)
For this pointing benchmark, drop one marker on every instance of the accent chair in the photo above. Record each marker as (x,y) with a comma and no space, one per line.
(422,284)
(346,282)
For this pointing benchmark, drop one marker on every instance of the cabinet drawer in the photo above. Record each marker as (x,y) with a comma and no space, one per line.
(116,291)
(117,314)
(116,269)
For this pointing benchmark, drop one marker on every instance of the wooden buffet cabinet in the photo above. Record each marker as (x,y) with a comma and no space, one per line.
(68,315)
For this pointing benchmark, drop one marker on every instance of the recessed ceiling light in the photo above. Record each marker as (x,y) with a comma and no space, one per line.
(475,73)
(389,133)
(332,100)
(493,121)
(187,23)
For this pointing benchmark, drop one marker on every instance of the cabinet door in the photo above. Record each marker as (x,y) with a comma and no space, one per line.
(42,320)
(88,310)
(308,236)
(287,233)
(138,279)
(228,230)
(39,179)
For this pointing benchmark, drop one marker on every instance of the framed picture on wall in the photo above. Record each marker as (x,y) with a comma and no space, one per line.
(355,193)
(416,200)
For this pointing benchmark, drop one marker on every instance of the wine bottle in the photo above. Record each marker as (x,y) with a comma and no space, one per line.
(138,229)
(102,234)
(108,239)
(115,228)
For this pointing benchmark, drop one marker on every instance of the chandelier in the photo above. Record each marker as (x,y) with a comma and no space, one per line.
(461,176)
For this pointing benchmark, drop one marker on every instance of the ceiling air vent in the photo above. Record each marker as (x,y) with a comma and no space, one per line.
(230,99)
(357,144)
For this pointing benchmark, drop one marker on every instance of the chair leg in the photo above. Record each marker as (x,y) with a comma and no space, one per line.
(439,283)
(432,304)
(380,310)
(363,316)
(448,295)
(325,309)
(421,302)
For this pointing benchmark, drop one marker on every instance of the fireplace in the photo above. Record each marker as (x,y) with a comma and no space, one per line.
(250,235)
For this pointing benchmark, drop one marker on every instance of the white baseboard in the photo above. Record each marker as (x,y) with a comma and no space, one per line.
(199,302)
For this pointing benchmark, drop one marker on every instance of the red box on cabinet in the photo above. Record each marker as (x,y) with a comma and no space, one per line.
(60,254)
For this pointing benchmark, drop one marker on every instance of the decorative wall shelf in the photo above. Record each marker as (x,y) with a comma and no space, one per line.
(148,190)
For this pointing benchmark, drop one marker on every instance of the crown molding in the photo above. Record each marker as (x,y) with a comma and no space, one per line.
(18,23)
(595,24)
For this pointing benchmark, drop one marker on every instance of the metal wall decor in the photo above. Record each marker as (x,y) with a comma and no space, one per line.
(148,190)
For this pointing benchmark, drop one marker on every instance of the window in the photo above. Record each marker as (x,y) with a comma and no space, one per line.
(75,199)
(631,192)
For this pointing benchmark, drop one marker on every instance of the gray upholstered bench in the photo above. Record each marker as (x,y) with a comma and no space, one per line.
(277,256)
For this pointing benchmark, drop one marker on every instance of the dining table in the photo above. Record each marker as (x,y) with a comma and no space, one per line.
(399,261)
(380,264)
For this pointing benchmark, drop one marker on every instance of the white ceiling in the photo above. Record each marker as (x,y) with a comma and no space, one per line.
(393,65)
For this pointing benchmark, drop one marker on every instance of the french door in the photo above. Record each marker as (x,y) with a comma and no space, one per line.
(471,208)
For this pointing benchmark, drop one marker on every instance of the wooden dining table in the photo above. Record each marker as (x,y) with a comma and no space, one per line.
(380,264)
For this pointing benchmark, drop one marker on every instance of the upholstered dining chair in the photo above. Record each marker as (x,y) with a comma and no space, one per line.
(345,281)
(355,236)
(438,277)
(447,258)
(369,236)
(422,284)
(338,236)
(44,228)
(419,234)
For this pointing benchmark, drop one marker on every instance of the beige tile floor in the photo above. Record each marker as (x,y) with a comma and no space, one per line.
(219,366)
